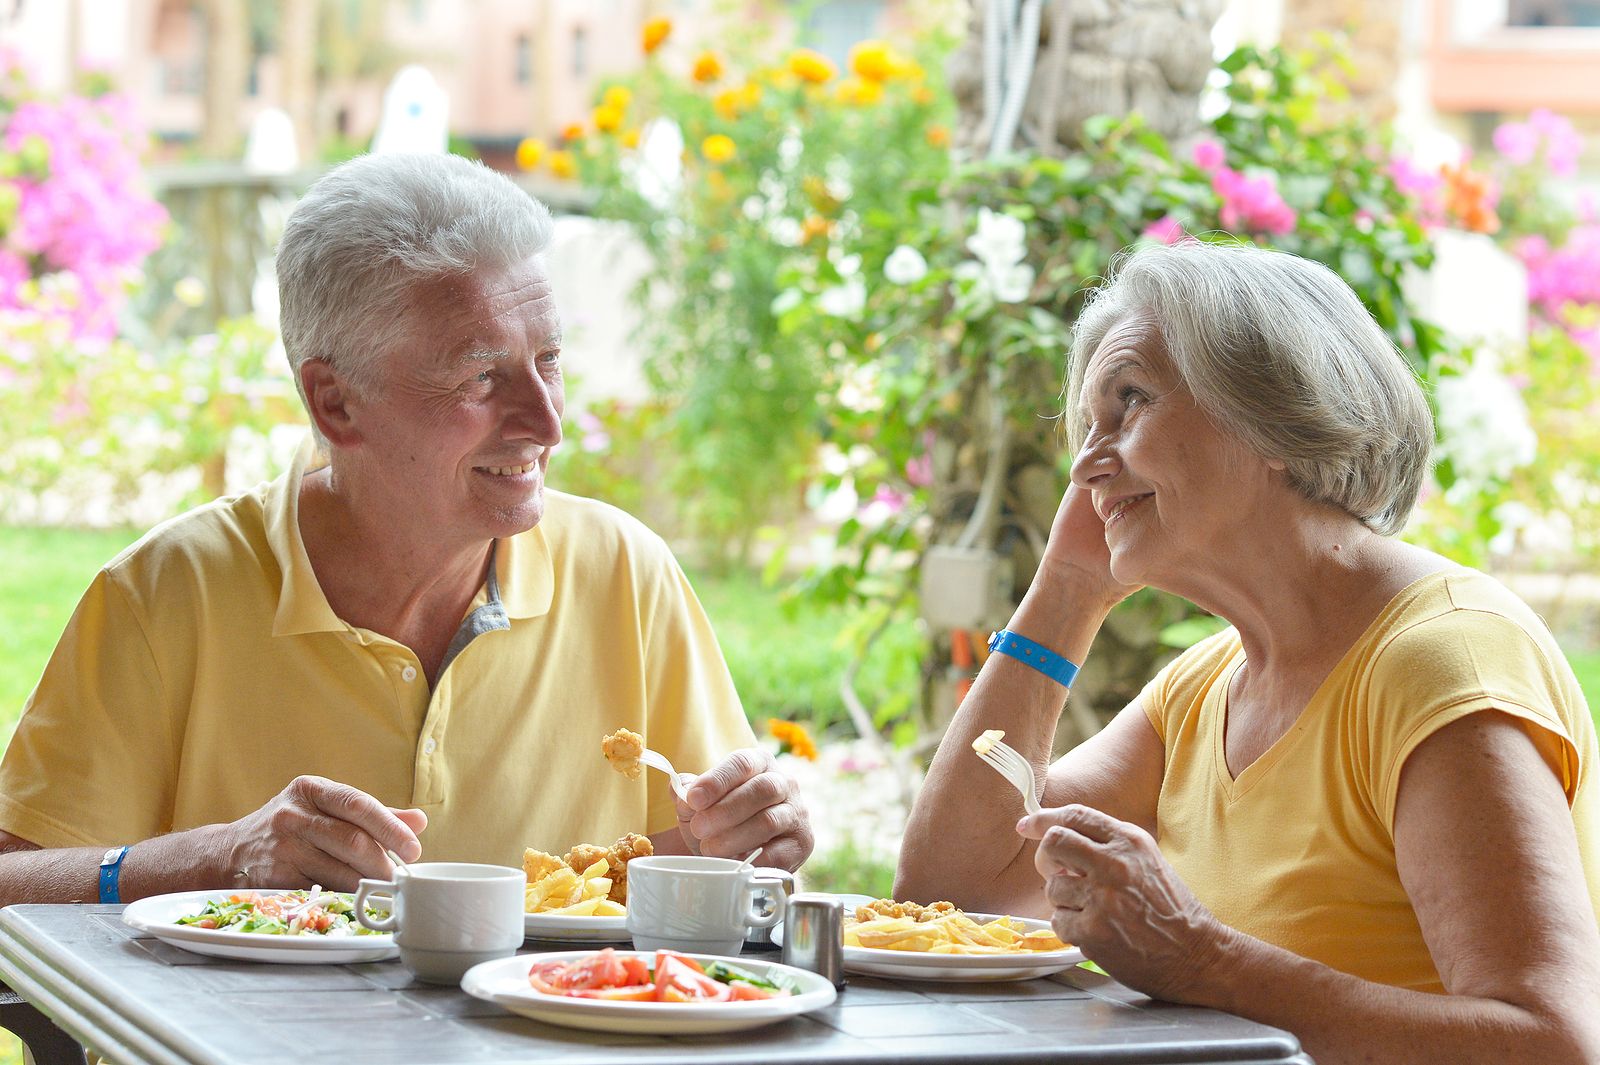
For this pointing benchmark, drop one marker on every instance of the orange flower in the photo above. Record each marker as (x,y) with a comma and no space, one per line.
(792,738)
(617,96)
(718,148)
(529,152)
(563,165)
(607,119)
(655,31)
(813,227)
(874,60)
(572,131)
(922,95)
(707,68)
(630,137)
(811,66)
(938,136)
(1469,199)
(860,92)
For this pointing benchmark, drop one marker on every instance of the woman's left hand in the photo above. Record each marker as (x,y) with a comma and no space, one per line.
(1118,899)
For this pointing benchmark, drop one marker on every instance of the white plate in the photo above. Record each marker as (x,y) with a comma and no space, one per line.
(563,928)
(965,968)
(157,913)
(505,982)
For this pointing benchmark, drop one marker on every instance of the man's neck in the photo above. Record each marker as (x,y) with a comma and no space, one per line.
(414,593)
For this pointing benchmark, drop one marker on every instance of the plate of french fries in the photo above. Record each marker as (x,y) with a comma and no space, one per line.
(580,897)
(908,941)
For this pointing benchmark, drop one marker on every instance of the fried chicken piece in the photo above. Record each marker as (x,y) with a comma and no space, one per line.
(622,852)
(622,749)
(538,864)
(584,855)
(918,913)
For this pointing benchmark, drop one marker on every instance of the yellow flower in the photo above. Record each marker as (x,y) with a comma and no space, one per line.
(530,152)
(813,227)
(792,738)
(938,136)
(630,137)
(728,103)
(874,61)
(811,66)
(922,94)
(751,94)
(607,119)
(721,190)
(563,165)
(860,92)
(656,31)
(617,96)
(707,67)
(718,148)
(572,131)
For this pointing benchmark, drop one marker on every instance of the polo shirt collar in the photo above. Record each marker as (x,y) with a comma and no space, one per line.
(523,567)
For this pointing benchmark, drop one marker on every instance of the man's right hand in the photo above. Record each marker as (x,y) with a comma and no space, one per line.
(317,831)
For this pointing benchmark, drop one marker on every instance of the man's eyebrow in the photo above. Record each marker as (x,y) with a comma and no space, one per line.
(485,353)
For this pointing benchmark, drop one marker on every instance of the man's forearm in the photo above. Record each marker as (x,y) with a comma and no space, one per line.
(181,861)
(1340,1018)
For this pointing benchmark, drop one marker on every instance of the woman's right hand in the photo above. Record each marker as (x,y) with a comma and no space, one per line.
(1076,558)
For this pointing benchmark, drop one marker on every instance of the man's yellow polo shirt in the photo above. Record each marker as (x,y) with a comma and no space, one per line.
(204,670)
(1298,850)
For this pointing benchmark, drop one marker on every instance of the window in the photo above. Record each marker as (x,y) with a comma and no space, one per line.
(580,52)
(1553,13)
(524,59)
(834,27)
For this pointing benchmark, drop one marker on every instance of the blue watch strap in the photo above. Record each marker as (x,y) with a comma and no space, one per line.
(1037,655)
(110,871)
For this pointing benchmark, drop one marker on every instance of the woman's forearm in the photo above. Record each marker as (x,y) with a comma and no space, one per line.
(1340,1018)
(960,841)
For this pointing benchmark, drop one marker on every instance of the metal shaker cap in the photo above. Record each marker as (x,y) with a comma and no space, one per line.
(813,935)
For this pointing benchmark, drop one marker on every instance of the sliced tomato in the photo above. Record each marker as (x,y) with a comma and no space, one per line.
(684,958)
(634,993)
(679,979)
(751,993)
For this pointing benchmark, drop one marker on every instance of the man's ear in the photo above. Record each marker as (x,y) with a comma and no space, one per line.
(328,399)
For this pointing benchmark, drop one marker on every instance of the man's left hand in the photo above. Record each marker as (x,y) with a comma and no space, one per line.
(742,803)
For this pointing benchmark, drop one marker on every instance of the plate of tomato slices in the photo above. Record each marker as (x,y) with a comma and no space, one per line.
(659,993)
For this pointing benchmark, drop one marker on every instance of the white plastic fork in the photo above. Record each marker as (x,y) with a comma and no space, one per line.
(1004,759)
(656,760)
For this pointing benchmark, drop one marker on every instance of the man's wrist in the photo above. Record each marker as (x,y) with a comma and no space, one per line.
(110,875)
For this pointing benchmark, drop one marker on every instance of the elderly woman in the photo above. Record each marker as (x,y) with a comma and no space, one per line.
(1368,811)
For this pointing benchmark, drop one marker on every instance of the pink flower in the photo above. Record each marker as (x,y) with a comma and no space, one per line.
(1166,230)
(919,469)
(1252,204)
(1545,135)
(1208,154)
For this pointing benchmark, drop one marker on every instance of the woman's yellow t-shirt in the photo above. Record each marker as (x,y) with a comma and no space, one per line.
(1299,850)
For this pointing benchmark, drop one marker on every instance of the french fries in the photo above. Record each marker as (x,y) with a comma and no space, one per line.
(951,933)
(574,894)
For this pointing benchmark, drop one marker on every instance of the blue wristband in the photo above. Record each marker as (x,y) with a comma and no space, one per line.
(1033,654)
(110,871)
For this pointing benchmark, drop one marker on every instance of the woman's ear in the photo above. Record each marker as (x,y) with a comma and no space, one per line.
(328,400)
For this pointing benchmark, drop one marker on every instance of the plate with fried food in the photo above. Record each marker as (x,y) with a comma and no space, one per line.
(909,941)
(581,896)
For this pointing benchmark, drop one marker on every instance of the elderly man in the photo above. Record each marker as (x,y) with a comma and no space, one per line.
(406,642)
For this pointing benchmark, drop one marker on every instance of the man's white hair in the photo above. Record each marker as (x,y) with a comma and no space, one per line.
(370,231)
(1280,352)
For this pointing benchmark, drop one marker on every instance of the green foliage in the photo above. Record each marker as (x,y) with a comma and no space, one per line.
(125,412)
(847,868)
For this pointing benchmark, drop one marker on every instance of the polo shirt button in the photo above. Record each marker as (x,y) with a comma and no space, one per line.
(408,674)
(429,747)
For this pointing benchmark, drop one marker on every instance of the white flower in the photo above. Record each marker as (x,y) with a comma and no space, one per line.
(844,301)
(905,266)
(753,207)
(1009,284)
(847,265)
(785,230)
(786,301)
(1000,239)
(1483,426)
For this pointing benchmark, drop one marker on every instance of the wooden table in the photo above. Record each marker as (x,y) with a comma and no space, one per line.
(134,998)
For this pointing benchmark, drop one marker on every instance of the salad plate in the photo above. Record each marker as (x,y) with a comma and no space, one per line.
(158,915)
(505,983)
(954,968)
(562,928)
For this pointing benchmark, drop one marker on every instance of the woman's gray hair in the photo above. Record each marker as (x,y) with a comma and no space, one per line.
(370,230)
(1278,351)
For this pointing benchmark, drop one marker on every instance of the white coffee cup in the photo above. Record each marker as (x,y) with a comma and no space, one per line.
(699,905)
(449,916)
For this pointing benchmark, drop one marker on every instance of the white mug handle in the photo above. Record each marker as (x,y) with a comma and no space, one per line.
(777,889)
(367,887)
